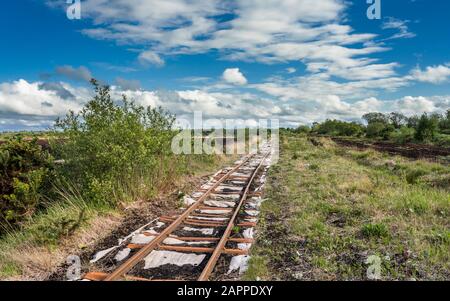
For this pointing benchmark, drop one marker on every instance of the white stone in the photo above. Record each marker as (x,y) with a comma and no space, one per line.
(100,254)
(206,231)
(141,239)
(239,262)
(122,254)
(159,258)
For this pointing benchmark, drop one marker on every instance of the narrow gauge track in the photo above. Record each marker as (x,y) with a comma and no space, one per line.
(190,244)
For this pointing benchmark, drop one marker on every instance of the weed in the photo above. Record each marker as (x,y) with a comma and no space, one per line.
(375,230)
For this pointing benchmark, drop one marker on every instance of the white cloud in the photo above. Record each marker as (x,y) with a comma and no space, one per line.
(24,98)
(266,31)
(150,57)
(234,76)
(291,70)
(432,74)
(401,27)
(27,104)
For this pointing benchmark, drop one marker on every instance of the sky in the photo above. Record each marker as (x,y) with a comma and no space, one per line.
(298,61)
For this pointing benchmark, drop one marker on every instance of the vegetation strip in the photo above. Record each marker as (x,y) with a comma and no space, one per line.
(328,209)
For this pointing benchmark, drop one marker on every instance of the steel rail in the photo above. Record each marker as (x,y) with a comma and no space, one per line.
(136,258)
(220,247)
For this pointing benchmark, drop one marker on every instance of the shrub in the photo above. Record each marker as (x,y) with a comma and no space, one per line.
(303,129)
(403,135)
(375,129)
(111,150)
(443,140)
(413,176)
(338,128)
(25,171)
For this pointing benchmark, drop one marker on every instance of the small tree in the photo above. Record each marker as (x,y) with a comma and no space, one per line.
(397,119)
(375,117)
(413,121)
(427,128)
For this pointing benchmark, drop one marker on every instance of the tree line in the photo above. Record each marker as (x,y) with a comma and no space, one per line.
(426,128)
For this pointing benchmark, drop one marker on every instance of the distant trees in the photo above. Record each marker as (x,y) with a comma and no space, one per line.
(376,118)
(426,128)
(338,128)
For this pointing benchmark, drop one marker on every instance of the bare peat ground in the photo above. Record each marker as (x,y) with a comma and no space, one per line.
(415,151)
(328,208)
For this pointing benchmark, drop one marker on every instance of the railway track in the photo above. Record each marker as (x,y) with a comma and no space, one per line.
(218,222)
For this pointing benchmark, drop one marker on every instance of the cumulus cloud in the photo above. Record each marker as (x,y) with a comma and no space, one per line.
(234,76)
(58,88)
(78,74)
(35,105)
(26,104)
(432,74)
(266,31)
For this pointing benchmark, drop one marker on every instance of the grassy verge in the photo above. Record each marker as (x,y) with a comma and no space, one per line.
(329,209)
(71,225)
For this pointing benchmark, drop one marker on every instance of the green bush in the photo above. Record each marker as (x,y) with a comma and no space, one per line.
(413,176)
(375,130)
(115,151)
(403,135)
(338,128)
(443,140)
(25,171)
(303,129)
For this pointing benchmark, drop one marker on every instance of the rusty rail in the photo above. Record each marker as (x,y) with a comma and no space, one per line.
(220,247)
(144,251)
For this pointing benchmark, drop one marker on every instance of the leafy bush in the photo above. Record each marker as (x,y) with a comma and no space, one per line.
(303,129)
(375,129)
(443,140)
(338,128)
(25,171)
(403,135)
(114,151)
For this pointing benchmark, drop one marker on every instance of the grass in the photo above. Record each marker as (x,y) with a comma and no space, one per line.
(330,208)
(46,239)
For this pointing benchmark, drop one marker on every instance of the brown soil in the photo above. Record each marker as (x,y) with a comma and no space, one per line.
(415,151)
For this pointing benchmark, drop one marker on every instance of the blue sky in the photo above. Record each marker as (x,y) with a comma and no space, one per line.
(298,61)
